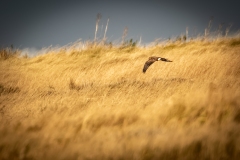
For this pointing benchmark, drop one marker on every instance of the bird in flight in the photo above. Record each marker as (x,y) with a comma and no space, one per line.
(153,59)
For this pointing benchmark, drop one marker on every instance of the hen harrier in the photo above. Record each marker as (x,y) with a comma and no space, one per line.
(151,60)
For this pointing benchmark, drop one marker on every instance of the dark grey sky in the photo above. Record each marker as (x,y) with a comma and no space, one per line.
(41,23)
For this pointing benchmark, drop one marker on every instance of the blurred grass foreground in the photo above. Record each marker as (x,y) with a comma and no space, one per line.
(95,103)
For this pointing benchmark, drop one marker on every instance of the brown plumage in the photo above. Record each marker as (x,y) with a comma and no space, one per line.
(153,59)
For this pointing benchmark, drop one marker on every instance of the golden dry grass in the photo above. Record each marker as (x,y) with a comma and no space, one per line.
(97,104)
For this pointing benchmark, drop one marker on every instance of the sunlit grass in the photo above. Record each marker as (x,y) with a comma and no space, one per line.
(94,102)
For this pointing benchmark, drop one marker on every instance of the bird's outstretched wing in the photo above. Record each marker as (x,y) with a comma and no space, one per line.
(147,64)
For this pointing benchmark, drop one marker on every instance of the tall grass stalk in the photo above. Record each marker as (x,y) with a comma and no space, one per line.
(104,37)
(97,22)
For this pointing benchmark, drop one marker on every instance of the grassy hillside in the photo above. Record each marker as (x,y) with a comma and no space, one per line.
(97,104)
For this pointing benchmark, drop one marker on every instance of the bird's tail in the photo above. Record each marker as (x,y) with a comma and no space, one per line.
(165,60)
